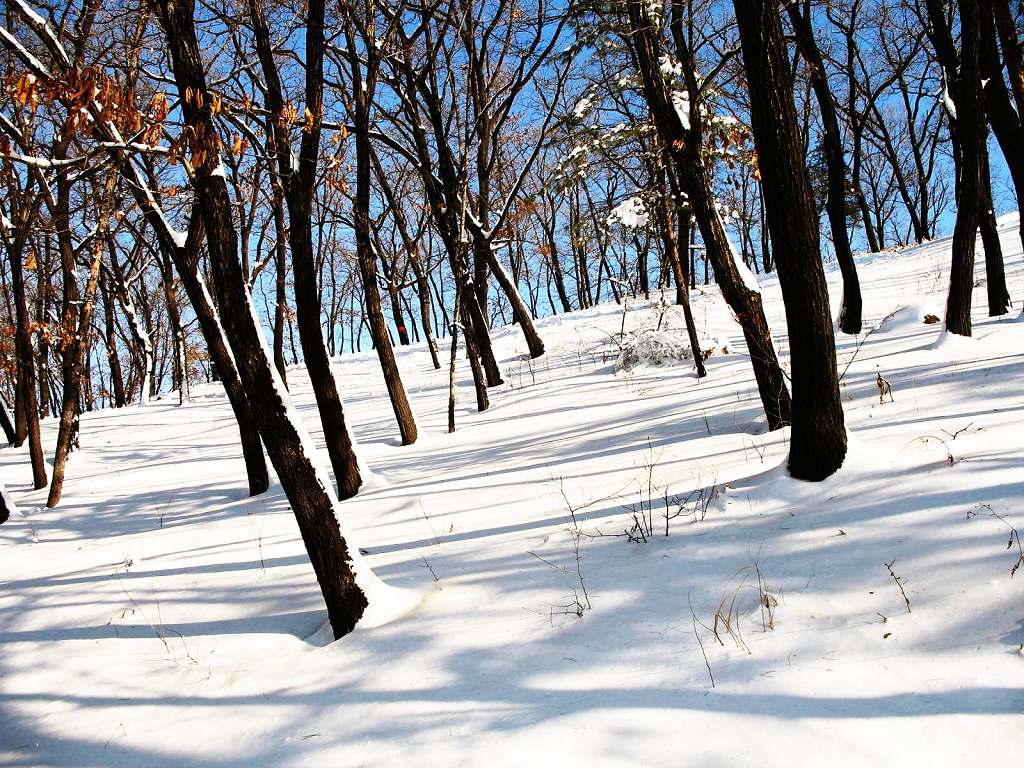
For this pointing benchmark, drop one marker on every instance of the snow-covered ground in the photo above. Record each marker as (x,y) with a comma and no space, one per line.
(160,617)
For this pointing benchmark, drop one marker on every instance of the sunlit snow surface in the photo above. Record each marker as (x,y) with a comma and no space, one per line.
(160,617)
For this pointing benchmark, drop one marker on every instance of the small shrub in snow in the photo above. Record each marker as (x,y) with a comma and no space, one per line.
(664,347)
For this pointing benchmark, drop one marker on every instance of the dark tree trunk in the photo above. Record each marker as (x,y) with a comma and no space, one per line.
(1013,49)
(411,246)
(363,88)
(554,263)
(75,351)
(299,199)
(520,312)
(179,375)
(313,506)
(968,128)
(110,338)
(27,426)
(995,272)
(280,263)
(818,439)
(832,139)
(186,262)
(1006,122)
(465,316)
(5,423)
(46,404)
(674,238)
(5,513)
(684,147)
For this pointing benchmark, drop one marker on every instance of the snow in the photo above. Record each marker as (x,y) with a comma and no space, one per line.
(667,345)
(160,617)
(583,106)
(386,603)
(748,277)
(631,213)
(9,504)
(33,63)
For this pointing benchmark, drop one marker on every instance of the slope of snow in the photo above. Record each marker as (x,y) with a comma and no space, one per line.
(161,617)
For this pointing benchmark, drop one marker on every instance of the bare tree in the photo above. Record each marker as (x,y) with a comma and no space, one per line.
(818,440)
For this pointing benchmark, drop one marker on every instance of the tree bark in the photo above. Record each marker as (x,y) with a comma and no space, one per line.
(968,129)
(832,140)
(110,338)
(673,238)
(818,439)
(5,423)
(684,147)
(286,441)
(995,271)
(299,189)
(363,88)
(28,425)
(1005,121)
(75,350)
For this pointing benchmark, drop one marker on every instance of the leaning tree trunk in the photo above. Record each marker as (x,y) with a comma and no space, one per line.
(520,311)
(968,126)
(286,441)
(299,198)
(818,440)
(75,352)
(5,423)
(832,139)
(363,87)
(199,297)
(684,147)
(995,271)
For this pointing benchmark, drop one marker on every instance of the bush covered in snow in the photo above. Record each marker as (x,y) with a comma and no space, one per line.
(664,347)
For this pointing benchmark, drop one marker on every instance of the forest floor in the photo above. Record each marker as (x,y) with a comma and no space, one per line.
(160,617)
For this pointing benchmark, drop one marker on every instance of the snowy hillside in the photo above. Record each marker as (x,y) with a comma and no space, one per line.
(161,617)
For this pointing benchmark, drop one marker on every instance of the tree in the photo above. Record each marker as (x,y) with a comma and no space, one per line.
(299,180)
(967,116)
(363,78)
(832,140)
(683,141)
(818,440)
(286,441)
(5,422)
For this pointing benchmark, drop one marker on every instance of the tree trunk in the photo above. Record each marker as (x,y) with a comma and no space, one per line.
(818,438)
(832,139)
(363,87)
(5,423)
(673,238)
(110,338)
(286,441)
(995,272)
(280,264)
(28,425)
(1006,122)
(5,511)
(299,198)
(968,129)
(75,351)
(683,146)
(422,285)
(520,311)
